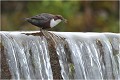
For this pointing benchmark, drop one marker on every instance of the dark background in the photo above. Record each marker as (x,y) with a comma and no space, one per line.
(82,16)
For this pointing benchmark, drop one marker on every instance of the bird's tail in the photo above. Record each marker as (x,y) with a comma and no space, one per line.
(24,22)
(26,19)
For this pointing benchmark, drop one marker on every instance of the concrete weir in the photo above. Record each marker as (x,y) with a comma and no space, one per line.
(59,55)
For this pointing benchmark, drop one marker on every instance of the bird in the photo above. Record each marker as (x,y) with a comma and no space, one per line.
(45,20)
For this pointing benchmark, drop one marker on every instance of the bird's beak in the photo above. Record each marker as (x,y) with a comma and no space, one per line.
(65,20)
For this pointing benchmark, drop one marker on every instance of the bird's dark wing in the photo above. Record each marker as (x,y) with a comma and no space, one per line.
(43,16)
(40,20)
(48,16)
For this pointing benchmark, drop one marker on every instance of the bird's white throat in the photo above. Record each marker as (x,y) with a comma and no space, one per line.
(54,22)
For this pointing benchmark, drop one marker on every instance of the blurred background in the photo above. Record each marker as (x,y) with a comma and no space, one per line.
(82,16)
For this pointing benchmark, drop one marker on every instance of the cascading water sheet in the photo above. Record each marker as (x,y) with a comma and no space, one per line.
(27,56)
(81,55)
(94,55)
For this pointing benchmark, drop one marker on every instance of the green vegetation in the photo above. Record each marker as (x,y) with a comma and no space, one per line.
(71,69)
(84,16)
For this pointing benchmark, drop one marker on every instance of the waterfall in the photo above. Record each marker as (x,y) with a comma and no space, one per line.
(64,55)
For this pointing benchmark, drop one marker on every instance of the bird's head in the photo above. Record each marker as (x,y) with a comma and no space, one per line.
(60,17)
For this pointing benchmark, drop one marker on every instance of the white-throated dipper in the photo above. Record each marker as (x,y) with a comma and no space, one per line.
(45,20)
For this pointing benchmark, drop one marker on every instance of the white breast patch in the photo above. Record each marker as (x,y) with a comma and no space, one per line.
(54,22)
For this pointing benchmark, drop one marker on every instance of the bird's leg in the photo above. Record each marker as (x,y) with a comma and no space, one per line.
(43,32)
(40,30)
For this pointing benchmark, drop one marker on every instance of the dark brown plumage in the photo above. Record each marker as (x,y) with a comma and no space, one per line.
(44,20)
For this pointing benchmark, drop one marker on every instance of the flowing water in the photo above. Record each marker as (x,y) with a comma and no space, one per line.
(81,55)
